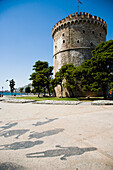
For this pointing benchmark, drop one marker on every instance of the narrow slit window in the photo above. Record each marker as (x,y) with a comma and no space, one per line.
(63,34)
(91,44)
(63,41)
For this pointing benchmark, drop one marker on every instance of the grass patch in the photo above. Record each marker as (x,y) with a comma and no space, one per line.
(90,99)
(83,99)
(46,98)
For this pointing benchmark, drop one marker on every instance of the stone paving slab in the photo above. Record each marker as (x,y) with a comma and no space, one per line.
(103,102)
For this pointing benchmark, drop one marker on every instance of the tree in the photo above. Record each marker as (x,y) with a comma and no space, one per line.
(97,72)
(41,78)
(21,89)
(52,87)
(59,77)
(65,77)
(71,79)
(12,84)
(27,90)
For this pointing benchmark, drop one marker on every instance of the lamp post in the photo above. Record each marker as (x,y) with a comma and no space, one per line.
(7,80)
(2,91)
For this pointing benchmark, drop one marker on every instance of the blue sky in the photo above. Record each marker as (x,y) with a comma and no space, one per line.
(26,32)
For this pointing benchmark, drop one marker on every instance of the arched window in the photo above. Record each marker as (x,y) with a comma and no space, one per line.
(78,41)
(84,31)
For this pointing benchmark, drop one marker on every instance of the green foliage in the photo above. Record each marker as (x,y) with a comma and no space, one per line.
(27,90)
(47,98)
(93,75)
(41,78)
(96,72)
(12,84)
(66,77)
(111,86)
(21,89)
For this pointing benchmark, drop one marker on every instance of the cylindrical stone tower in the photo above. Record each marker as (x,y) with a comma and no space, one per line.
(74,37)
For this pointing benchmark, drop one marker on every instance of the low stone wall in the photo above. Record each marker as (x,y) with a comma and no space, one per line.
(58,102)
(102,102)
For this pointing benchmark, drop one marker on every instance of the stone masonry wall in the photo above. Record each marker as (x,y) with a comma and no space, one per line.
(75,37)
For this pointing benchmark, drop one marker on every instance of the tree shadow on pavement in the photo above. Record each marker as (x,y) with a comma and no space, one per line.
(65,151)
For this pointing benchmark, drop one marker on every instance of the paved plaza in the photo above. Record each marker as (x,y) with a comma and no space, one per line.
(56,137)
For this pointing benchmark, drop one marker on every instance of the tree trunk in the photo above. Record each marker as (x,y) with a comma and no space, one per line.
(48,90)
(61,90)
(54,93)
(104,93)
(44,91)
(38,94)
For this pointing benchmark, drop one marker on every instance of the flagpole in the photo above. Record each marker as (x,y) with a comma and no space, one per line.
(78,6)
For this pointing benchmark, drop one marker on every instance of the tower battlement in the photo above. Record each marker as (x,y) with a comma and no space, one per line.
(77,18)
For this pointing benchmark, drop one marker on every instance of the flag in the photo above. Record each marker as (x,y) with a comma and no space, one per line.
(79,2)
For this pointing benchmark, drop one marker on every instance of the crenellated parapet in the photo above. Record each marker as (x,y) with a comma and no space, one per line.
(78,18)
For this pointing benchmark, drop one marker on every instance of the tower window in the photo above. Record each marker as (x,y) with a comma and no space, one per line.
(78,41)
(100,34)
(84,31)
(63,41)
(91,44)
(93,32)
(55,46)
(63,34)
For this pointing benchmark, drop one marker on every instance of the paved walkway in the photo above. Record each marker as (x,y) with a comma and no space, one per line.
(56,137)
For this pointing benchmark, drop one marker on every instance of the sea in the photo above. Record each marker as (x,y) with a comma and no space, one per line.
(8,93)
